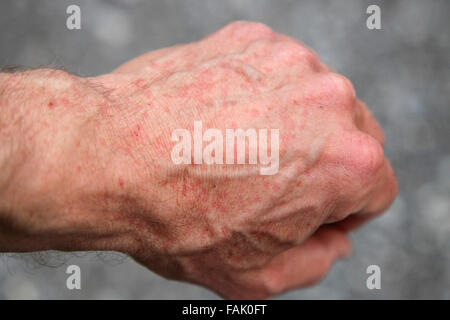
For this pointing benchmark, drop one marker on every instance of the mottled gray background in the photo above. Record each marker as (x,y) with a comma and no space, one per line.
(401,71)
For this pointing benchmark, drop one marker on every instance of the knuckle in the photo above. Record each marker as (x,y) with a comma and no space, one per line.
(310,57)
(270,282)
(252,30)
(320,271)
(290,51)
(367,156)
(258,49)
(341,89)
(288,48)
(336,214)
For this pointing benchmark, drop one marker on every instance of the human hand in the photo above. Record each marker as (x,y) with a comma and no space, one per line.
(223,226)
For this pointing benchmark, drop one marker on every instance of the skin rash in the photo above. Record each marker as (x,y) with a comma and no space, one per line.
(86,163)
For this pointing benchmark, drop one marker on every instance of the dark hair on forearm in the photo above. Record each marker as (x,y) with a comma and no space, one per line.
(20,68)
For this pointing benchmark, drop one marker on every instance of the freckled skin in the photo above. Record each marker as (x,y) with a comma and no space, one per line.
(102,146)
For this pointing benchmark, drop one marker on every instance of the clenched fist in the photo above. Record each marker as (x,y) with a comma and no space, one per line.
(87,163)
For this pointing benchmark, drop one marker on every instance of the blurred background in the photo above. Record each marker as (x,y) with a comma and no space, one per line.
(402,72)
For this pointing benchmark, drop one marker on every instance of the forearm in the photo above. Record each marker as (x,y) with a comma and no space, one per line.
(52,186)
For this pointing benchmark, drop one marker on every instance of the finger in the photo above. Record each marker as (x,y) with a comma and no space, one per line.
(379,201)
(366,122)
(371,183)
(384,192)
(353,222)
(308,263)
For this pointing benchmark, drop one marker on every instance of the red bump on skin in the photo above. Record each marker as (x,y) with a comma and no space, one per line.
(166,109)
(167,64)
(254,112)
(136,131)
(120,182)
(140,83)
(217,205)
(51,104)
(149,95)
(65,102)
(102,142)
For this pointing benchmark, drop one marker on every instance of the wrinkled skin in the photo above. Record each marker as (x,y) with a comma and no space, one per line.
(225,227)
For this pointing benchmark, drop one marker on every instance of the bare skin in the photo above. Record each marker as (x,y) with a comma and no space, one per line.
(85,163)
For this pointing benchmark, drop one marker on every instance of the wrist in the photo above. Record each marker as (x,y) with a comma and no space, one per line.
(53,190)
